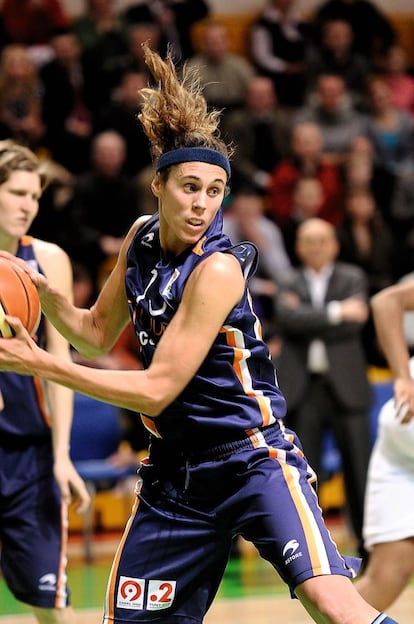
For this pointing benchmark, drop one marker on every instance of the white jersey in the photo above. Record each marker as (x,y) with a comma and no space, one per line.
(388,514)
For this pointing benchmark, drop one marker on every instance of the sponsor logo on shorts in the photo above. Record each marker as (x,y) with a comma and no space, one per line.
(132,591)
(47,582)
(290,551)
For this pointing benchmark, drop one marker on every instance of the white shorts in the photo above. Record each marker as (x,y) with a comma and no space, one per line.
(389,508)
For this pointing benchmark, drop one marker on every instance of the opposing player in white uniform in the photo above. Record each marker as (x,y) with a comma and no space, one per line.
(389,509)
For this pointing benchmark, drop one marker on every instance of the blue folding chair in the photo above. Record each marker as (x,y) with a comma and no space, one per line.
(96,435)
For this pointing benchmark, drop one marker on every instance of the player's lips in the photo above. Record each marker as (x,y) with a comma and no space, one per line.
(195,222)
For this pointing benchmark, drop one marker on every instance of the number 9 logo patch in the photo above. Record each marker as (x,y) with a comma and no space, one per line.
(131,593)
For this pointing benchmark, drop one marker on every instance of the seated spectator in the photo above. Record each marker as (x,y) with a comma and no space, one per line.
(402,215)
(174,19)
(389,129)
(244,220)
(260,133)
(121,115)
(224,75)
(98,21)
(68,102)
(103,39)
(366,241)
(20,97)
(137,35)
(32,23)
(373,30)
(400,82)
(279,38)
(332,110)
(307,159)
(103,189)
(307,203)
(336,55)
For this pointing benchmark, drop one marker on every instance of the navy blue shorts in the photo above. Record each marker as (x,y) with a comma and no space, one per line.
(33,526)
(177,542)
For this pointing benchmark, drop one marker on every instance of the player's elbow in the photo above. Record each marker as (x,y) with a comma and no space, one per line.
(159,396)
(156,404)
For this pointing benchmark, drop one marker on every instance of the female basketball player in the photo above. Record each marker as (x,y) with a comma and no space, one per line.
(35,419)
(221,462)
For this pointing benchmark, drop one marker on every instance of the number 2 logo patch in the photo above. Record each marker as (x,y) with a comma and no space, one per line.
(160,594)
(131,594)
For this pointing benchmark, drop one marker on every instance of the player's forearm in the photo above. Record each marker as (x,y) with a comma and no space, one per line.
(75,324)
(388,315)
(136,390)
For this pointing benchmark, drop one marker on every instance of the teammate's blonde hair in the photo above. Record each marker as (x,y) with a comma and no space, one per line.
(16,157)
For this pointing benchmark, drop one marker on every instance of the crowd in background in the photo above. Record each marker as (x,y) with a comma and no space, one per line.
(320,112)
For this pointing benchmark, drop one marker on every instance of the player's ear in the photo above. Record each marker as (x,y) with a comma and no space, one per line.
(156,185)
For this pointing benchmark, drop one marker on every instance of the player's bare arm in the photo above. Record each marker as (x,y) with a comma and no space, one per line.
(93,331)
(388,307)
(208,298)
(58,270)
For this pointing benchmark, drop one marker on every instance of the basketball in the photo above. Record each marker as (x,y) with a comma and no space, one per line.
(18,297)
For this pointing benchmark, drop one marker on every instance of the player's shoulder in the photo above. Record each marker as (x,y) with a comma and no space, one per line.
(220,272)
(48,253)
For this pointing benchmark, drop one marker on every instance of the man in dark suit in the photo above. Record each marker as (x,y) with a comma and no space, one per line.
(321,309)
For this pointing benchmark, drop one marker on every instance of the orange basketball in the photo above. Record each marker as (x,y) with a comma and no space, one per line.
(18,297)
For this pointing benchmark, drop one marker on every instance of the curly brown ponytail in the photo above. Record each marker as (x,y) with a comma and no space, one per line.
(174,114)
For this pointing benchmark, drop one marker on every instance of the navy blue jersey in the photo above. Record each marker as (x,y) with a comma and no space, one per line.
(24,412)
(235,388)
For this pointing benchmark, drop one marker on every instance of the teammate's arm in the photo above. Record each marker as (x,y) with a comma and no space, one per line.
(58,269)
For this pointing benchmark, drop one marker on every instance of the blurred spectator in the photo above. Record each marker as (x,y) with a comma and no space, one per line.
(321,309)
(366,241)
(98,194)
(20,97)
(174,19)
(52,222)
(331,108)
(121,115)
(33,22)
(307,202)
(390,132)
(402,216)
(223,74)
(99,22)
(279,38)
(261,134)
(400,82)
(68,102)
(103,40)
(307,159)
(373,31)
(335,55)
(137,35)
(389,129)
(245,220)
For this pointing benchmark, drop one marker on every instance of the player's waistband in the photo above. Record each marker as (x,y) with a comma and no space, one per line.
(252,438)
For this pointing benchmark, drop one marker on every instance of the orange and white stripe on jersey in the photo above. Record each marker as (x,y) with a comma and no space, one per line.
(235,338)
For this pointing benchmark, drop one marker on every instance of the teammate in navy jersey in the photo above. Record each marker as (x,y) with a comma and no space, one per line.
(37,476)
(221,462)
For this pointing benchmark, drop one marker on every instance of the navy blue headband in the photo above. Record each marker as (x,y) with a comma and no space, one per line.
(194,154)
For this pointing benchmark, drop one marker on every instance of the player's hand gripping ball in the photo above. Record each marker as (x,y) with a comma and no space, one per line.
(18,297)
